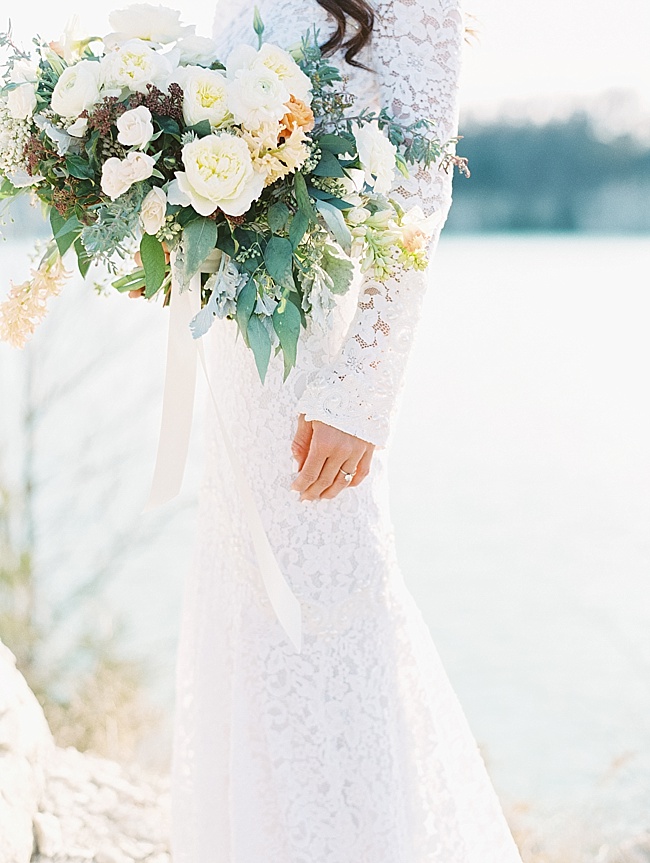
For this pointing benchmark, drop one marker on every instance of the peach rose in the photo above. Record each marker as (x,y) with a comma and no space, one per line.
(299,115)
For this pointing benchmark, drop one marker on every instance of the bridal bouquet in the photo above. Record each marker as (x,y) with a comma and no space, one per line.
(261,161)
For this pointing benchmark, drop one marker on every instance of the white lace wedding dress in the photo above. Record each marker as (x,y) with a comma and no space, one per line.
(356,749)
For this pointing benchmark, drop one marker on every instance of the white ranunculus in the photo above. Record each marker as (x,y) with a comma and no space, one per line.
(118,175)
(205,96)
(158,24)
(134,65)
(77,89)
(79,128)
(257,96)
(285,67)
(377,156)
(153,210)
(21,101)
(135,128)
(197,51)
(218,173)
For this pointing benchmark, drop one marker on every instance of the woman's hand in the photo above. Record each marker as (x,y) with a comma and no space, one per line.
(138,259)
(324,454)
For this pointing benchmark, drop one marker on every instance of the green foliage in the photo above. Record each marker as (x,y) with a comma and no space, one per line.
(199,239)
(153,263)
(65,232)
(278,215)
(246,300)
(116,222)
(286,323)
(259,341)
(278,257)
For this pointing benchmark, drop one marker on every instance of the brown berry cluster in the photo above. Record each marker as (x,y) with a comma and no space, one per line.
(34,153)
(104,114)
(63,200)
(159,103)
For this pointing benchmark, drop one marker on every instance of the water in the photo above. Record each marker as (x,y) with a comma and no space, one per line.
(520,477)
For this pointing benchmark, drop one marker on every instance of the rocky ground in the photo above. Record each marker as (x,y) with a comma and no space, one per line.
(63,806)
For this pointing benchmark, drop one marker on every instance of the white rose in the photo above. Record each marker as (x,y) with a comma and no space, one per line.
(23,71)
(153,211)
(197,51)
(377,157)
(205,96)
(144,21)
(257,96)
(77,89)
(135,128)
(218,173)
(118,175)
(134,65)
(285,67)
(79,128)
(21,101)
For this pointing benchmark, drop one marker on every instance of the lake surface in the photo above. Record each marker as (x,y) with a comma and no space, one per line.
(520,483)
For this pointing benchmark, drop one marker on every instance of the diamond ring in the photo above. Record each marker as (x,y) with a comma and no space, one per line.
(348,477)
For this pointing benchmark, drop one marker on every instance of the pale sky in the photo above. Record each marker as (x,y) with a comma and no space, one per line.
(541,52)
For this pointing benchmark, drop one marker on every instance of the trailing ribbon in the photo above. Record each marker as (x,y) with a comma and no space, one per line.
(173,445)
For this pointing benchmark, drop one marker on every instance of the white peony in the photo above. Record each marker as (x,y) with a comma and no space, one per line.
(377,157)
(134,65)
(118,175)
(21,101)
(135,128)
(257,96)
(77,89)
(197,51)
(205,96)
(153,210)
(218,173)
(158,24)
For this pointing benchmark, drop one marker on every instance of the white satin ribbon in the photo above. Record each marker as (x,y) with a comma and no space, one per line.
(173,445)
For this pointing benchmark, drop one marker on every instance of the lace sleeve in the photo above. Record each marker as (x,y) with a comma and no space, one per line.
(416,50)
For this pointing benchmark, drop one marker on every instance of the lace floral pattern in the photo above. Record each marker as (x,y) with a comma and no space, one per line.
(355,750)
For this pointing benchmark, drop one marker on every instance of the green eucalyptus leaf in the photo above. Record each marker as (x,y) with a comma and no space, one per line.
(202,129)
(199,239)
(302,197)
(336,224)
(297,228)
(278,216)
(153,262)
(286,323)
(278,257)
(260,343)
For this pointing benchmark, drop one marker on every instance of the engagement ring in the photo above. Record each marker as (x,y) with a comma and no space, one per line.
(348,477)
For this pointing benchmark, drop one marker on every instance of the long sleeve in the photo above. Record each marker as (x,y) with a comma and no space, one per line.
(416,50)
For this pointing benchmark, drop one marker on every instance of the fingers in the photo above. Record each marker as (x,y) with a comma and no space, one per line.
(138,259)
(311,468)
(302,440)
(363,468)
(137,293)
(325,480)
(339,483)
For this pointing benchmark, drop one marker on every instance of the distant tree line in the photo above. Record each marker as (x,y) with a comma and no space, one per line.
(560,176)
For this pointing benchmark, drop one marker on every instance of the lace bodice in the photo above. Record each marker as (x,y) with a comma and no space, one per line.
(415,57)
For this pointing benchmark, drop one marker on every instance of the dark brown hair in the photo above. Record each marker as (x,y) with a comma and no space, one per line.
(362,15)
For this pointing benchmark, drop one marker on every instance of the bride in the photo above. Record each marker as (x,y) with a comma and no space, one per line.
(354,750)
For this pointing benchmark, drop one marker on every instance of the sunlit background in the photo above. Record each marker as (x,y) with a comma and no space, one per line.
(521,464)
